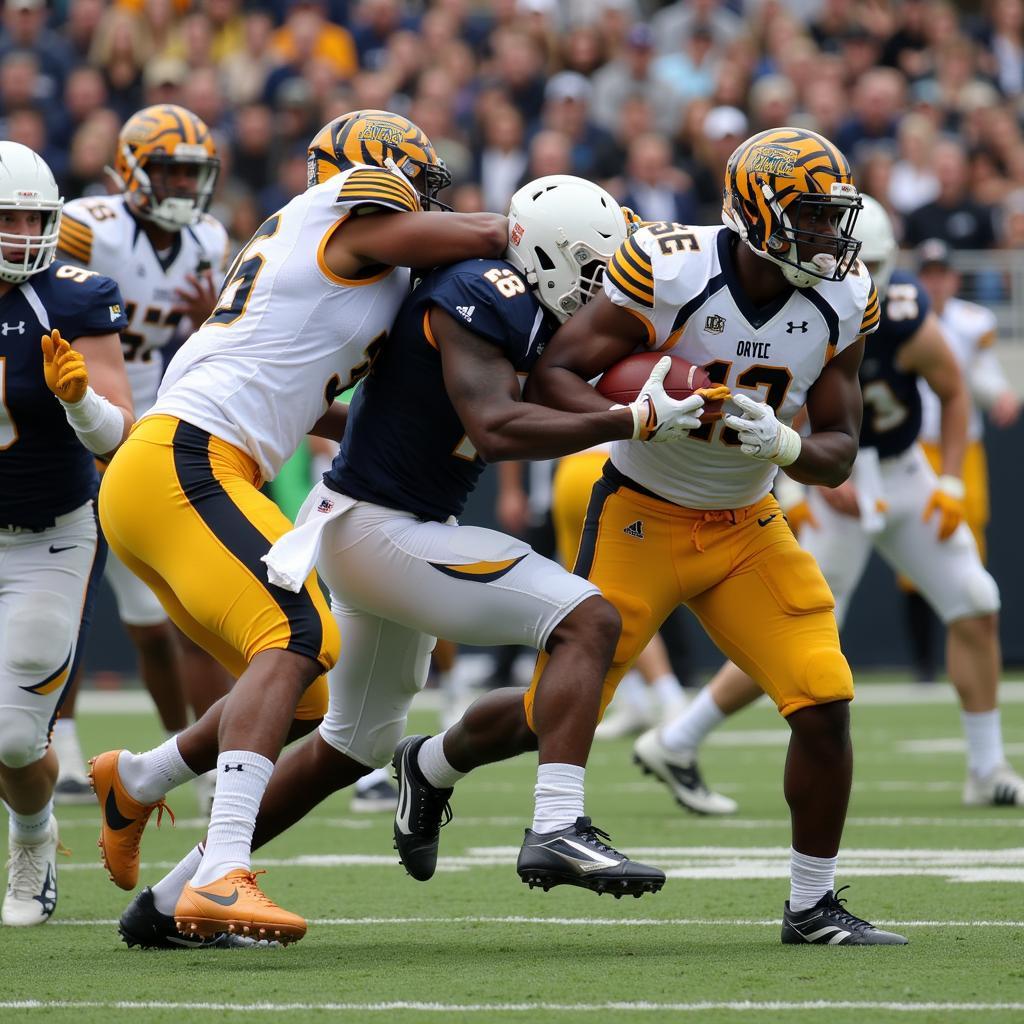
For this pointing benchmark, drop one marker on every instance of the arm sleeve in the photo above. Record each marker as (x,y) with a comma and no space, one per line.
(92,306)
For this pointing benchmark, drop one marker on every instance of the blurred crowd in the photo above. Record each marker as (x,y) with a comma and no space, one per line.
(649,99)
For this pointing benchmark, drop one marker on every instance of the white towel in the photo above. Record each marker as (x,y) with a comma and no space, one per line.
(293,556)
(867,479)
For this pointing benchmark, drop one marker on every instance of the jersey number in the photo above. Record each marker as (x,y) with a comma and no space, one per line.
(887,411)
(508,282)
(673,237)
(241,277)
(131,342)
(8,431)
(776,379)
(901,302)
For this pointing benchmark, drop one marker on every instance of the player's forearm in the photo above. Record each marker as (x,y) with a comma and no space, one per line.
(332,424)
(826,459)
(534,432)
(560,388)
(953,432)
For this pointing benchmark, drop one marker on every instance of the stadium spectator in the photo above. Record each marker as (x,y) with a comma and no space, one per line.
(83,19)
(24,29)
(691,71)
(631,74)
(676,24)
(953,215)
(502,158)
(878,98)
(567,110)
(654,188)
(1007,45)
(913,181)
(121,48)
(245,70)
(373,24)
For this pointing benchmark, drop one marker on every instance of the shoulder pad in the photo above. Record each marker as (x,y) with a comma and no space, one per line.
(369,186)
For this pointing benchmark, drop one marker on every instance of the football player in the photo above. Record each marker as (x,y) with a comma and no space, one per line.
(442,400)
(776,304)
(914,518)
(156,239)
(970,330)
(305,309)
(59,408)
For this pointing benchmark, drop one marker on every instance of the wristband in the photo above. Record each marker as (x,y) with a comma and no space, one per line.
(632,407)
(789,446)
(98,423)
(952,485)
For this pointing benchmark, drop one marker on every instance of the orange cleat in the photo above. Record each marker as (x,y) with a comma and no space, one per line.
(123,820)
(235,904)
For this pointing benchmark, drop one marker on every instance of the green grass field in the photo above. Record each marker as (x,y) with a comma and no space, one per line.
(477,945)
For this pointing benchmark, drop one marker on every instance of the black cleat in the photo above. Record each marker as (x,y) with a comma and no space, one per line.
(144,926)
(577,856)
(829,923)
(422,810)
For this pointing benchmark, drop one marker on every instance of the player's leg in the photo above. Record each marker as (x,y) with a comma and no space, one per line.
(205,494)
(786,638)
(950,576)
(45,608)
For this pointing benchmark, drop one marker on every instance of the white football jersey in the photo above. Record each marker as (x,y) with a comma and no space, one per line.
(969,329)
(681,283)
(100,234)
(287,334)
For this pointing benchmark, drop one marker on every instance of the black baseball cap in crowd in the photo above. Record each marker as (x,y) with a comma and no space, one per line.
(934,252)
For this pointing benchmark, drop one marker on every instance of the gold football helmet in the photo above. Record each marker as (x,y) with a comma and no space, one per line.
(790,187)
(157,144)
(380,139)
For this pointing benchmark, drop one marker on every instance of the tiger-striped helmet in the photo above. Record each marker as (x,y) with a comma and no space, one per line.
(152,141)
(380,139)
(790,187)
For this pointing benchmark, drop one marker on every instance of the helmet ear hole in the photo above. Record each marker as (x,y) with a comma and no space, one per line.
(544,261)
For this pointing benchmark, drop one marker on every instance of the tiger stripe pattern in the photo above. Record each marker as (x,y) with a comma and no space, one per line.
(75,239)
(630,269)
(379,188)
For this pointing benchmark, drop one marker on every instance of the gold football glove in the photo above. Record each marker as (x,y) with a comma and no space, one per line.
(948,500)
(64,369)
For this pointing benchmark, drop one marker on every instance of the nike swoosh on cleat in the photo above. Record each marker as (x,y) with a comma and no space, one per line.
(404,801)
(112,813)
(224,901)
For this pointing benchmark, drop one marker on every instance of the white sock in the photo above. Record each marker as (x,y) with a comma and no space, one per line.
(633,691)
(67,747)
(242,777)
(687,732)
(558,796)
(167,891)
(30,828)
(434,765)
(984,735)
(668,691)
(809,879)
(150,776)
(375,778)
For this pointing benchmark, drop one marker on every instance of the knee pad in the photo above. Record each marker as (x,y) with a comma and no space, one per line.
(22,737)
(40,629)
(827,677)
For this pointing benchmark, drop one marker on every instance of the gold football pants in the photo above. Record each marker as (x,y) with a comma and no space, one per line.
(183,510)
(761,598)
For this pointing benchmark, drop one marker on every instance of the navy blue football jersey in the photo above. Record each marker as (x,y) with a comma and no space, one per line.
(45,471)
(892,403)
(404,445)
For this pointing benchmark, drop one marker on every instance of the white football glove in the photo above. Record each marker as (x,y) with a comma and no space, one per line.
(761,434)
(656,415)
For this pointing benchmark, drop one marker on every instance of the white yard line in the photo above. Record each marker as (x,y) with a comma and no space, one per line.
(580,922)
(739,1006)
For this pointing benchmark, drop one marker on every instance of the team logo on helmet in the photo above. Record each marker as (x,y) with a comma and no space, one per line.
(791,187)
(380,139)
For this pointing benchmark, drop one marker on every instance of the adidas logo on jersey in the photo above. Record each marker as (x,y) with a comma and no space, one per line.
(635,530)
(466,312)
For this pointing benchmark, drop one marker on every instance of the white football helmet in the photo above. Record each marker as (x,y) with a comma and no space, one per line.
(562,233)
(878,242)
(27,183)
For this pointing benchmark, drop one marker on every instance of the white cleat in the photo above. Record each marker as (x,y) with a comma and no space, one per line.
(1002,787)
(681,773)
(31,881)
(627,720)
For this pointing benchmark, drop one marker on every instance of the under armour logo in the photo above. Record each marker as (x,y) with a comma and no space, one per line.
(232,767)
(7,328)
(791,327)
(635,530)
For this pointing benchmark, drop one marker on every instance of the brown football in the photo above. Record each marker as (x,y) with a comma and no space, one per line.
(623,381)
